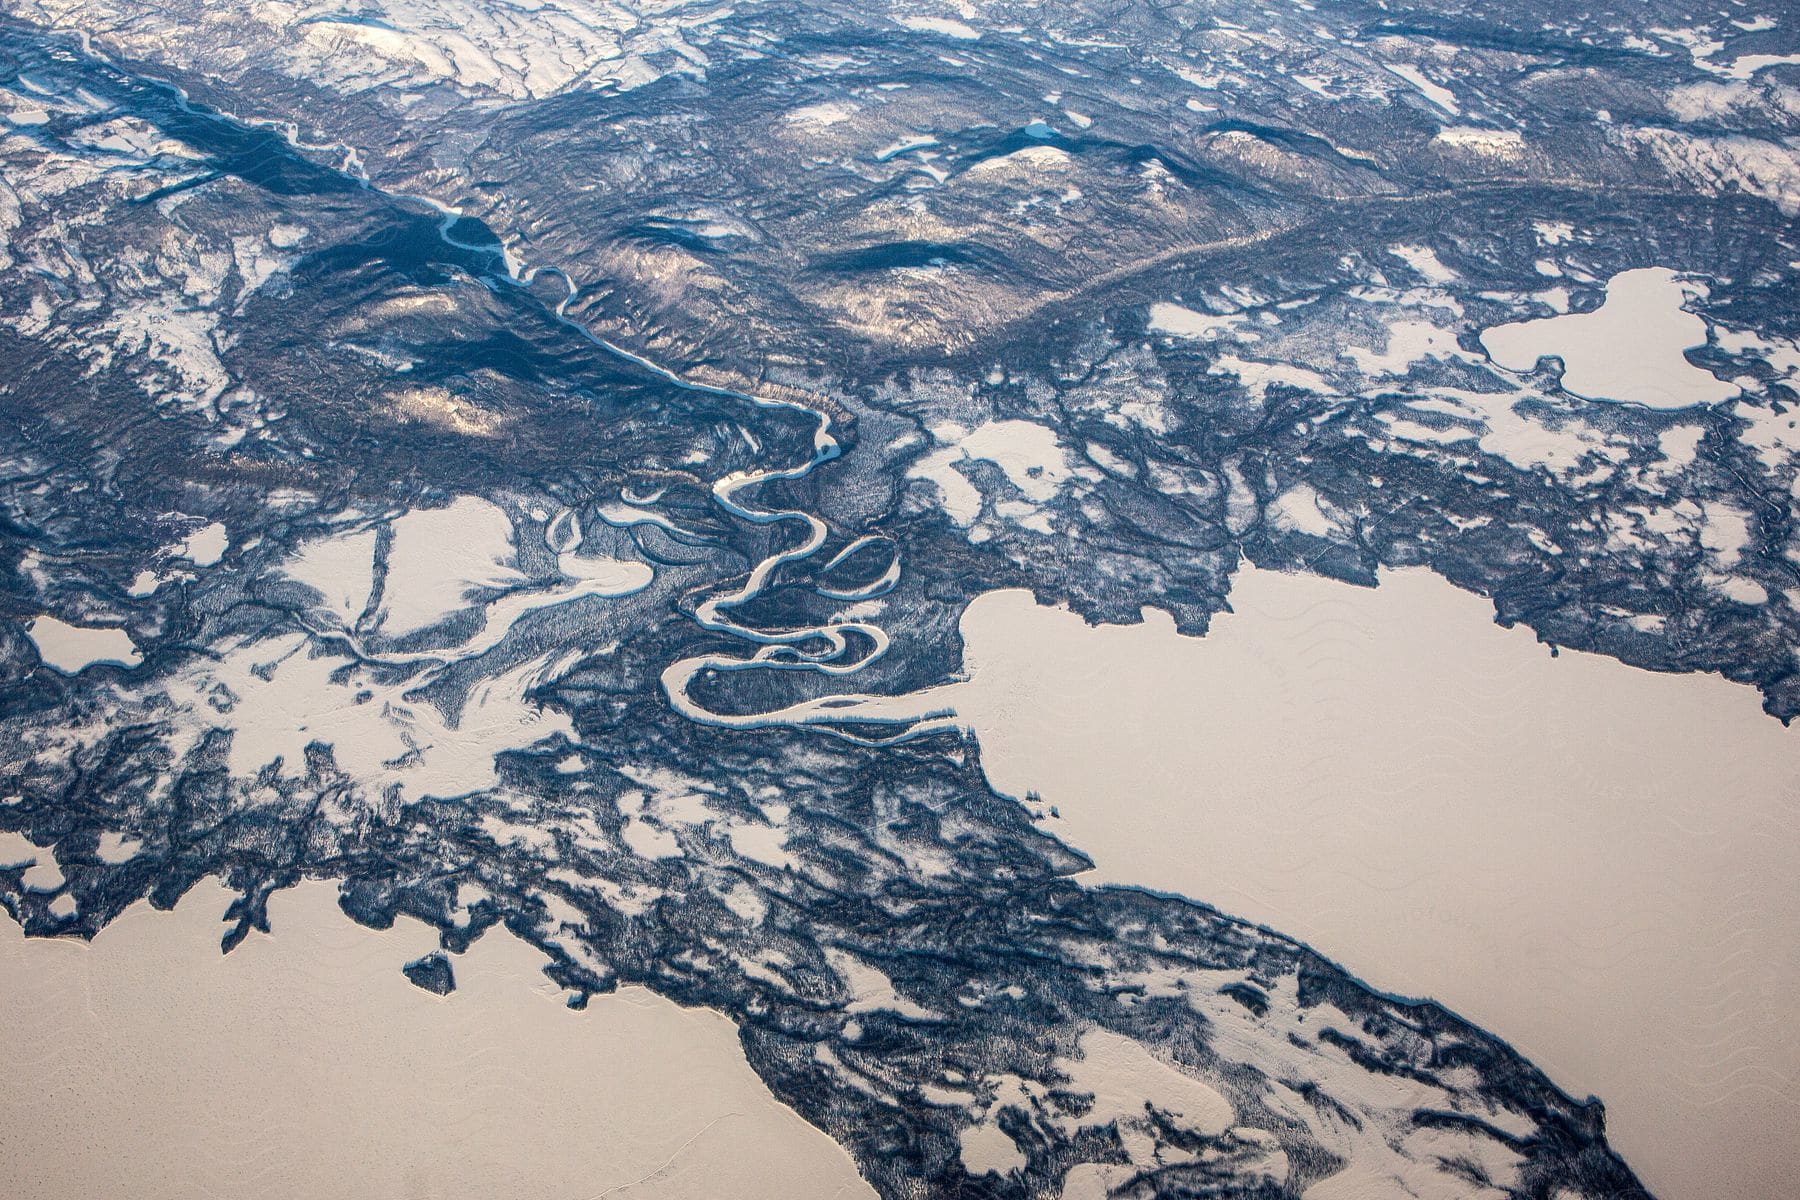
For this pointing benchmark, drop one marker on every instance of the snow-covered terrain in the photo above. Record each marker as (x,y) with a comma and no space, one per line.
(526,464)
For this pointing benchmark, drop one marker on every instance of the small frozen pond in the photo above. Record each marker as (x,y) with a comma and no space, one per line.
(71,648)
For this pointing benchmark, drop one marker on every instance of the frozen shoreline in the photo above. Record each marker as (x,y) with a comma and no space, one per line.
(1583,858)
(70,649)
(154,1054)
(1629,350)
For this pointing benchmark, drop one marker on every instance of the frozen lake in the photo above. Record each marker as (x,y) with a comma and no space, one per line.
(1630,349)
(1589,860)
(158,1056)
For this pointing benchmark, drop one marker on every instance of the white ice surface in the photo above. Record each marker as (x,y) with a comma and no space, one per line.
(1583,858)
(341,568)
(439,556)
(1029,455)
(1630,349)
(304,1065)
(278,695)
(206,545)
(1178,321)
(1439,95)
(71,648)
(948,26)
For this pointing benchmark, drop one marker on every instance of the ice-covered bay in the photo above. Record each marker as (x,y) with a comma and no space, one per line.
(164,1053)
(1587,859)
